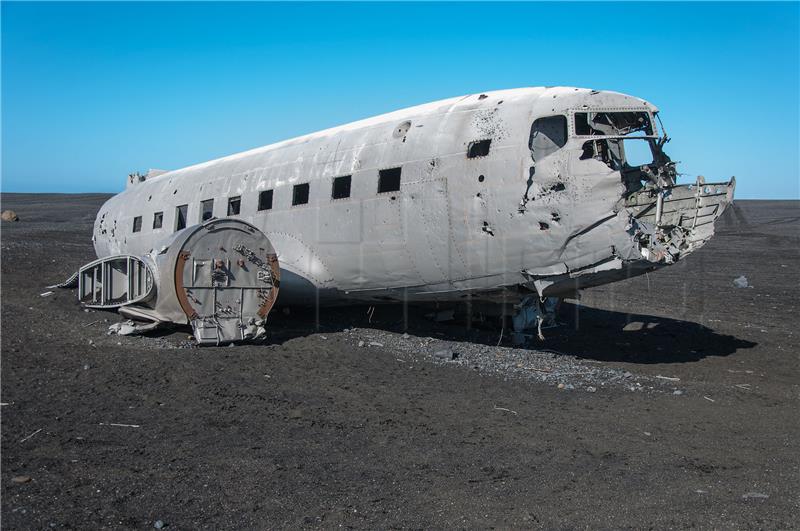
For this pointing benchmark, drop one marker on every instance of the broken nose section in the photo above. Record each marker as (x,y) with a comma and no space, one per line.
(652,228)
(674,221)
(221,277)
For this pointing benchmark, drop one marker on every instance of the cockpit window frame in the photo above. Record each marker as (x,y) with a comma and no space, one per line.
(557,143)
(637,134)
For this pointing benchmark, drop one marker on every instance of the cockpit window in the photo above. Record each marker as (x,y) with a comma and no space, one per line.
(612,123)
(548,135)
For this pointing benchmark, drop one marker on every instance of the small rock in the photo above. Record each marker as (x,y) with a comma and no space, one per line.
(406,336)
(627,374)
(375,344)
(21,479)
(158,524)
(741,282)
(591,389)
(9,215)
(360,343)
(561,386)
(443,355)
(633,327)
(677,392)
(295,414)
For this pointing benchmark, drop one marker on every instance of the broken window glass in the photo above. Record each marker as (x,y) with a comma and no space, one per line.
(265,200)
(606,151)
(389,180)
(206,210)
(637,152)
(300,194)
(180,216)
(158,220)
(341,187)
(548,135)
(137,224)
(234,205)
(612,123)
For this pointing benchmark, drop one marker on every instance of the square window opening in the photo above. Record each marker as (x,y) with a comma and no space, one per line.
(341,187)
(265,200)
(137,224)
(180,217)
(479,148)
(158,220)
(300,194)
(206,210)
(389,180)
(234,205)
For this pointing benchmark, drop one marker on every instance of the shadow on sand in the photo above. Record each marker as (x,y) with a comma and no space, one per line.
(587,333)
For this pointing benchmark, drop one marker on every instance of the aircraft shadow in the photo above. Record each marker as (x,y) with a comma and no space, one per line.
(636,338)
(589,333)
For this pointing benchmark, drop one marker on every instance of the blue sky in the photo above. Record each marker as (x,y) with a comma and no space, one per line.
(93,91)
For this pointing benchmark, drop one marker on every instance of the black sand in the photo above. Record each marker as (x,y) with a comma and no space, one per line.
(312,431)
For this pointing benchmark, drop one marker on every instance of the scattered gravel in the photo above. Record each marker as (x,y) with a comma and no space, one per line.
(564,371)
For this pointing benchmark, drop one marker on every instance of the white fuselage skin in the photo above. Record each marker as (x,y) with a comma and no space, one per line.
(454,227)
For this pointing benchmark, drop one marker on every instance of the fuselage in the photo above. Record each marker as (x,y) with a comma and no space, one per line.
(465,196)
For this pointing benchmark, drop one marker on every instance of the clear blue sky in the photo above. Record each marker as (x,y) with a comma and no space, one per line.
(93,91)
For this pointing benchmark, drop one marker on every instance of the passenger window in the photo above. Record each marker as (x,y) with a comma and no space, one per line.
(548,135)
(137,224)
(341,187)
(206,210)
(180,217)
(479,148)
(158,220)
(265,200)
(234,205)
(300,194)
(389,180)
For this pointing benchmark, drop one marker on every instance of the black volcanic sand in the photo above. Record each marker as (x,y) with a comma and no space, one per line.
(310,430)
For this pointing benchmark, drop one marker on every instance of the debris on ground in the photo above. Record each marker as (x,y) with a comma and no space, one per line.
(21,479)
(565,371)
(124,328)
(46,294)
(741,282)
(31,435)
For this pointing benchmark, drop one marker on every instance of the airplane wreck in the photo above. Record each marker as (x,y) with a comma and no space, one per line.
(515,198)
